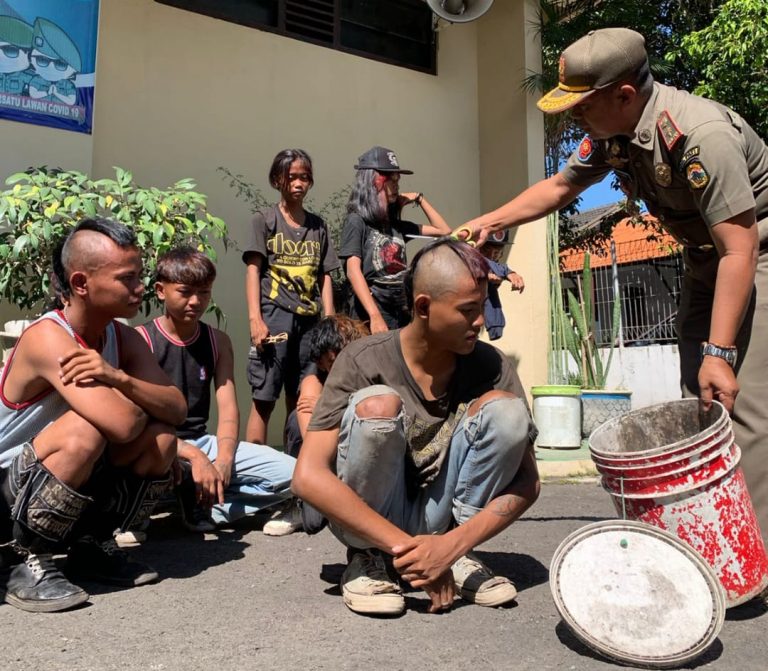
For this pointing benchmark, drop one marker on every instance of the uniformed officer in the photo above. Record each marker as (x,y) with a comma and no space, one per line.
(15,44)
(703,172)
(56,60)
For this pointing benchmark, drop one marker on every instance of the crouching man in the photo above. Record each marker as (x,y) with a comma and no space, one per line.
(421,445)
(86,426)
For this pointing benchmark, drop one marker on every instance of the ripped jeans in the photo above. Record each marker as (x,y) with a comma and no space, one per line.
(485,453)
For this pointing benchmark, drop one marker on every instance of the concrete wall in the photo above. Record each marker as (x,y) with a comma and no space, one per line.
(630,370)
(512,151)
(179,94)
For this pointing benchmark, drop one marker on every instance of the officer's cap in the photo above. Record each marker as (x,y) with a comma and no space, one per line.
(599,59)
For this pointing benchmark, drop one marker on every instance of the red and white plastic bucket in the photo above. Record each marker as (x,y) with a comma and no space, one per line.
(677,469)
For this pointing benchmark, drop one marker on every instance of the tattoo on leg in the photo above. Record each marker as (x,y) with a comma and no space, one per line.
(508,505)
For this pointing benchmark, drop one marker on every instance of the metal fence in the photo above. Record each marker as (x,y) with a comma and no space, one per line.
(649,291)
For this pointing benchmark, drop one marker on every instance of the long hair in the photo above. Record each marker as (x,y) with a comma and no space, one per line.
(281,166)
(364,200)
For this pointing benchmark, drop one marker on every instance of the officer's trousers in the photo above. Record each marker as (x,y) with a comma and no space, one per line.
(750,416)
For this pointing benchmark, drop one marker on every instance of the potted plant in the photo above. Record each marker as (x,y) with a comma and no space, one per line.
(557,405)
(41,205)
(598,404)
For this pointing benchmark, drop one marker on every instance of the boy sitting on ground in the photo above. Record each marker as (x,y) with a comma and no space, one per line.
(328,337)
(421,445)
(231,478)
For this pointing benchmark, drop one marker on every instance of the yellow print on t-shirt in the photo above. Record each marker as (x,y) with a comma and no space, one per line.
(294,266)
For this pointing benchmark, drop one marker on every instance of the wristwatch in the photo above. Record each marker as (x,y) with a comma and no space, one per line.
(729,354)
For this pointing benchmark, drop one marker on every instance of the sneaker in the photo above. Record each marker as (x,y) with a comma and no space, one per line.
(37,586)
(104,561)
(130,538)
(476,583)
(194,518)
(284,521)
(367,587)
(197,520)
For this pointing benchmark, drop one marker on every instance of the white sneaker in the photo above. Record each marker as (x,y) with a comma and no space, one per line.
(130,538)
(367,587)
(476,583)
(284,521)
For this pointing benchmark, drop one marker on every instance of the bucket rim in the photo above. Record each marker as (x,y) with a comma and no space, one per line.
(712,429)
(729,469)
(556,390)
(718,445)
(678,452)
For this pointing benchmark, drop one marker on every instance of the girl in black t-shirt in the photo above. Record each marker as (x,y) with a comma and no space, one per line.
(289,258)
(374,237)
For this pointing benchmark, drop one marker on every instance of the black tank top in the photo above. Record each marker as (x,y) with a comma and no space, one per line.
(190,365)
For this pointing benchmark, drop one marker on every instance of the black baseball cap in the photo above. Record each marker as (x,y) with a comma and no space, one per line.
(380,159)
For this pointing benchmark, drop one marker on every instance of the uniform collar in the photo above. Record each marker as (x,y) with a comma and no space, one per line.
(645,131)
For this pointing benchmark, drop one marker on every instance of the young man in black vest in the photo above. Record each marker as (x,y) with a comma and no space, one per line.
(231,478)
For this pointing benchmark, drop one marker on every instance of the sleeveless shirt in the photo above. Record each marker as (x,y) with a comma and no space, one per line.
(21,422)
(191,365)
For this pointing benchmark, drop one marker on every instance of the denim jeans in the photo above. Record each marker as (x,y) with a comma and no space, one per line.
(484,455)
(261,478)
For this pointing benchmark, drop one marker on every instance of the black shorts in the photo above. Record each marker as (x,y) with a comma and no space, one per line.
(283,364)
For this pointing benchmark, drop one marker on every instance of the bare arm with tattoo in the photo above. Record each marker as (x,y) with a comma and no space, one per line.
(421,560)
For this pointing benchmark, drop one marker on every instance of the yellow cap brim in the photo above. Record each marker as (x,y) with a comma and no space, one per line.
(558,100)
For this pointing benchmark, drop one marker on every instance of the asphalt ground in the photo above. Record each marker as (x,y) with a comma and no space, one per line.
(241,600)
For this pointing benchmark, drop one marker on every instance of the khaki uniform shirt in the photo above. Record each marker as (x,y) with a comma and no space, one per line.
(693,161)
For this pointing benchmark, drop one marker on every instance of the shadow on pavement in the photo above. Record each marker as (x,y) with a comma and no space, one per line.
(748,611)
(523,570)
(570,641)
(177,554)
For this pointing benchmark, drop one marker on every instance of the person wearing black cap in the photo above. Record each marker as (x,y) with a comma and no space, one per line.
(703,173)
(374,236)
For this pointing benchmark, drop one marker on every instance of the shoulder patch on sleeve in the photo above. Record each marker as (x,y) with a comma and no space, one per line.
(697,175)
(586,148)
(668,129)
(688,155)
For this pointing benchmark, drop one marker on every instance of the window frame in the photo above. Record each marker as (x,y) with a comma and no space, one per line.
(336,45)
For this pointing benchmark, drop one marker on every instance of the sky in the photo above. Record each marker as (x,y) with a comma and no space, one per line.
(600,194)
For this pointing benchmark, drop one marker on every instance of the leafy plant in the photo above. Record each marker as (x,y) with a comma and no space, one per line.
(579,335)
(43,204)
(731,54)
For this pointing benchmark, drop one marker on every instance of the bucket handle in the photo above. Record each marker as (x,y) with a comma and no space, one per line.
(623,500)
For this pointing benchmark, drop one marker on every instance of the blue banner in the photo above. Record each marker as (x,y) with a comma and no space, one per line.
(48,62)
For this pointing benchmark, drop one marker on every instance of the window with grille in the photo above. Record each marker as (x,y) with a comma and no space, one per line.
(394,31)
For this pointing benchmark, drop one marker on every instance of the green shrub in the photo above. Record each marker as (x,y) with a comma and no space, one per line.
(43,204)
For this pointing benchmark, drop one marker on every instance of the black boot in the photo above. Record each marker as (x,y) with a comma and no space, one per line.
(122,500)
(44,512)
(37,586)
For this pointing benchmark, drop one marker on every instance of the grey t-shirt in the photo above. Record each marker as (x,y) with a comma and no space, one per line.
(378,359)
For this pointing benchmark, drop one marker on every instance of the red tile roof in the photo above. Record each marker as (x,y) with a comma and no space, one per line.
(632,245)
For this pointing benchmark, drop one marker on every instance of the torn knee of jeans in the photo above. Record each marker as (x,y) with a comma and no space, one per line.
(382,407)
(488,397)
